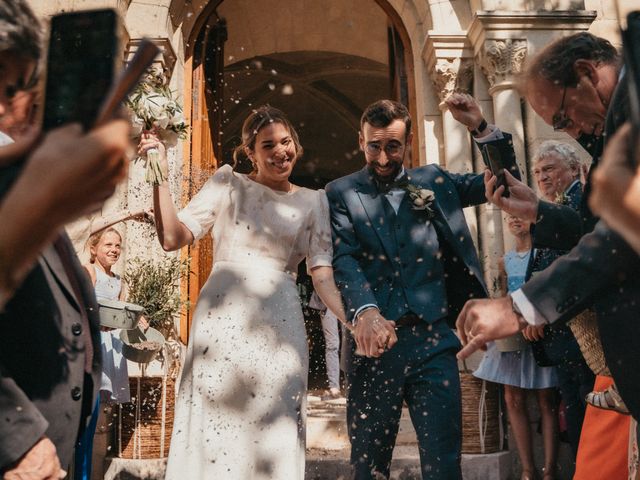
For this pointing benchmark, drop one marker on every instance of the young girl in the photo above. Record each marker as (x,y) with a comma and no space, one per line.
(518,370)
(105,247)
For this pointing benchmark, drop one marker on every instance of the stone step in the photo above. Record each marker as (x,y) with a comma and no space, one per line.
(327,427)
(334,465)
(325,464)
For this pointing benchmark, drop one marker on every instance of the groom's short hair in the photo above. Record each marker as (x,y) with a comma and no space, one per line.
(381,113)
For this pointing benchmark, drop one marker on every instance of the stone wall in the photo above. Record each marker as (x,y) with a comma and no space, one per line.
(470,45)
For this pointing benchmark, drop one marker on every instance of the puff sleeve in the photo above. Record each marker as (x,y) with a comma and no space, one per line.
(200,213)
(320,253)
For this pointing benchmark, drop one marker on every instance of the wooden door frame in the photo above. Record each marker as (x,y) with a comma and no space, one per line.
(200,148)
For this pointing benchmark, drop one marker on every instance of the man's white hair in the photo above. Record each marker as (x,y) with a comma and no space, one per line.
(565,152)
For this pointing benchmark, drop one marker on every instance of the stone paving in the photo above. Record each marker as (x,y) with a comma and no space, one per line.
(328,453)
(328,449)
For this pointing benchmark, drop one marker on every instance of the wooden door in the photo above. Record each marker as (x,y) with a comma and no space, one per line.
(202,152)
(401,79)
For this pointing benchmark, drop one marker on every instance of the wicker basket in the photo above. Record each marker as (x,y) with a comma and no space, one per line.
(145,424)
(585,328)
(481,432)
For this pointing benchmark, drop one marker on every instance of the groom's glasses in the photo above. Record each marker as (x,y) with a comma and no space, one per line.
(560,121)
(390,149)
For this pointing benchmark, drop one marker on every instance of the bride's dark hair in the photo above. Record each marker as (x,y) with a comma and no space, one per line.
(256,121)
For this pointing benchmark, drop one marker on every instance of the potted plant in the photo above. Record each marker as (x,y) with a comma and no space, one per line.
(145,424)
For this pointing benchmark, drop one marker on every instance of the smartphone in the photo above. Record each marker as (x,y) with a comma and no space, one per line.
(631,52)
(499,156)
(82,61)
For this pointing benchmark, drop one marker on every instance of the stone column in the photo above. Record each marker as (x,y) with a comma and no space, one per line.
(501,60)
(450,64)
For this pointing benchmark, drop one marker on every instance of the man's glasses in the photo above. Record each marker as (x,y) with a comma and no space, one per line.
(560,121)
(390,149)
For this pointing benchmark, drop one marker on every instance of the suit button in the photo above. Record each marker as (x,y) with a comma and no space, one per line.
(76,393)
(76,329)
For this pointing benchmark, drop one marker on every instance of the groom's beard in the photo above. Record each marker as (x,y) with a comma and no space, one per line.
(397,167)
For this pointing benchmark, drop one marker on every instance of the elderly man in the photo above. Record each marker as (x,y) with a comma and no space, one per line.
(573,84)
(49,363)
(556,169)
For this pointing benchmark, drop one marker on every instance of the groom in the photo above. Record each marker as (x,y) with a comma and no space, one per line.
(405,264)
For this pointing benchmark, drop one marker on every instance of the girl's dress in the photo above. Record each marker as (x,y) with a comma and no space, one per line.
(115,375)
(241,410)
(519,368)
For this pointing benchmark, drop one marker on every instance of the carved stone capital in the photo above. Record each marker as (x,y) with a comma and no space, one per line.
(452,75)
(502,59)
(166,59)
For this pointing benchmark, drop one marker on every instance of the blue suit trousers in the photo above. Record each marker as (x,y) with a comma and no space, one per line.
(420,369)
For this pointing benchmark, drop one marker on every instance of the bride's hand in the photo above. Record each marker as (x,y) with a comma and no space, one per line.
(150,140)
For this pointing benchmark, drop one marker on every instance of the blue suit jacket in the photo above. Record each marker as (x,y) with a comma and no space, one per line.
(371,262)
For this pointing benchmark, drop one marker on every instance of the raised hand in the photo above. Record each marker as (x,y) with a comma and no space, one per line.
(465,109)
(150,142)
(374,334)
(522,201)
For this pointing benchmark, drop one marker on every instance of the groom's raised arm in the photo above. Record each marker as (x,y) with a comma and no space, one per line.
(354,286)
(470,188)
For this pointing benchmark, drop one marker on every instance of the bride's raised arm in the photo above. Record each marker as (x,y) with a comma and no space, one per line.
(172,233)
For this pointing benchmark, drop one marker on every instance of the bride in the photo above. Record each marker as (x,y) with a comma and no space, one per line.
(241,407)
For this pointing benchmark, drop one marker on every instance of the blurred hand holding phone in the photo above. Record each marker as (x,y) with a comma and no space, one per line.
(499,156)
(631,52)
(83,59)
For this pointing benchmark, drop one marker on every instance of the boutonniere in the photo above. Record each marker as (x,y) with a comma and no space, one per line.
(561,198)
(421,198)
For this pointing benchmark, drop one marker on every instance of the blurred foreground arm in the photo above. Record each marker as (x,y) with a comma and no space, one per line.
(68,175)
(616,189)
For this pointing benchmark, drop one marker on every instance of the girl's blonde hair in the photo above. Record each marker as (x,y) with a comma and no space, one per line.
(95,239)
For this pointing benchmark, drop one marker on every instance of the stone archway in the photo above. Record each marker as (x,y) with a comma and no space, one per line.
(321,62)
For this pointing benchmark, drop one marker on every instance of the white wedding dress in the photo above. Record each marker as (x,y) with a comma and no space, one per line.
(240,412)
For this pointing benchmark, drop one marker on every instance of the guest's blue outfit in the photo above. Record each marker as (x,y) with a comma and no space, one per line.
(519,368)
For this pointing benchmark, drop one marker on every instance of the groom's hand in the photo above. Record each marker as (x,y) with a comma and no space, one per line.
(374,334)
(465,109)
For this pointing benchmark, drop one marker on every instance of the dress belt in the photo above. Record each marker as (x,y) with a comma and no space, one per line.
(409,320)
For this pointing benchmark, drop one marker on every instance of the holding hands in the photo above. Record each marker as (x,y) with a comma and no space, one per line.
(374,334)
